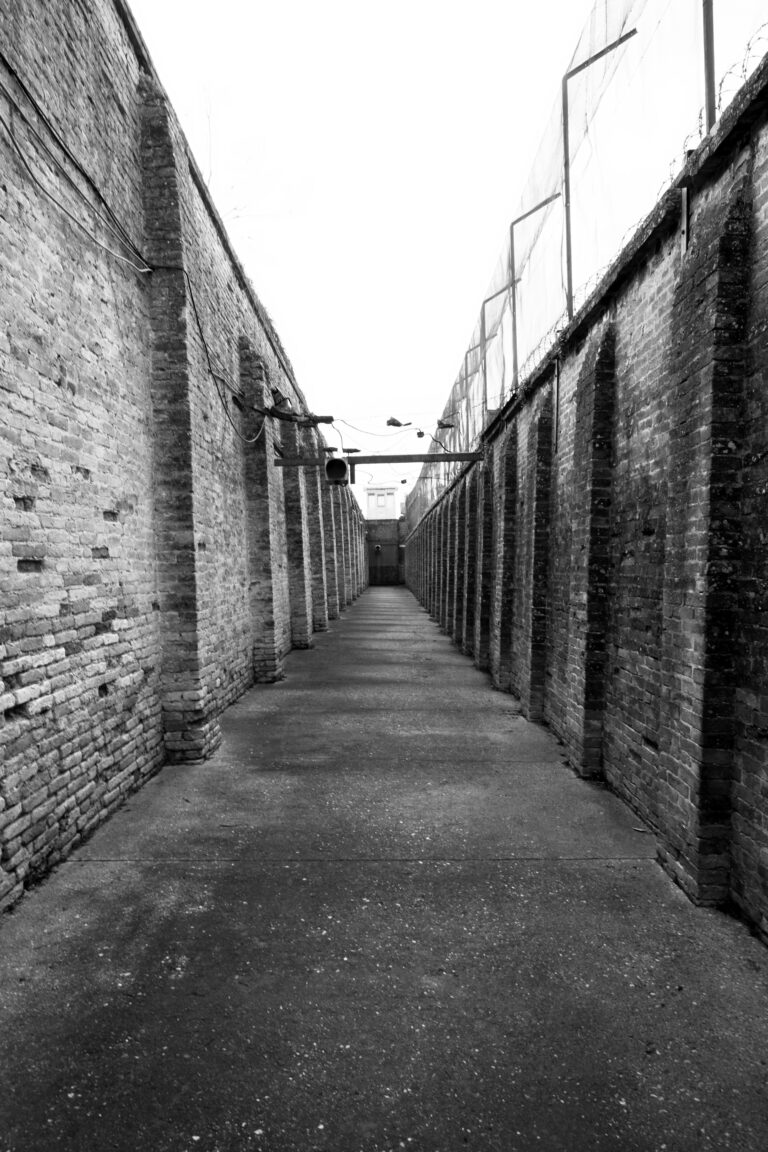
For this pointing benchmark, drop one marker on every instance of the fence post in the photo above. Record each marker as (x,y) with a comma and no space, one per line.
(709,62)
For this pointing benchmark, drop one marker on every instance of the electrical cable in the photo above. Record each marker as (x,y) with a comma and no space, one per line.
(363,432)
(117,230)
(215,376)
(60,206)
(338,433)
(68,152)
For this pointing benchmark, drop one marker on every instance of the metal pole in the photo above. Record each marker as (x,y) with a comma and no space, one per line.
(485,373)
(567,203)
(709,63)
(567,161)
(513,277)
(513,301)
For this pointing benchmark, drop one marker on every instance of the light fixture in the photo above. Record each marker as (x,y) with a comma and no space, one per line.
(279,400)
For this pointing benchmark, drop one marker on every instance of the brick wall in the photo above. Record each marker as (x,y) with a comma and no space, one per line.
(626,485)
(749,840)
(80,636)
(151,556)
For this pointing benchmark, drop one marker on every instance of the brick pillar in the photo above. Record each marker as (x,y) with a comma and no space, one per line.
(439,562)
(338,520)
(459,564)
(351,549)
(341,507)
(435,546)
(359,546)
(415,550)
(414,554)
(353,544)
(470,563)
(427,530)
(445,535)
(191,732)
(362,551)
(429,525)
(450,590)
(262,500)
(482,636)
(538,518)
(297,533)
(332,548)
(505,537)
(316,529)
(591,563)
(703,550)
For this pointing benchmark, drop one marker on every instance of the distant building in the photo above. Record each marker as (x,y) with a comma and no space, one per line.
(382,503)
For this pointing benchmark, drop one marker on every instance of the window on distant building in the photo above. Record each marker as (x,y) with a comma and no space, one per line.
(381,500)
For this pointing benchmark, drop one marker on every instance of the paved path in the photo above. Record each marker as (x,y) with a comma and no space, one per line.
(385,916)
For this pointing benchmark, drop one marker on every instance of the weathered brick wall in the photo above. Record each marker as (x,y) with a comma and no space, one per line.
(485,535)
(749,850)
(144,554)
(628,495)
(503,556)
(79,632)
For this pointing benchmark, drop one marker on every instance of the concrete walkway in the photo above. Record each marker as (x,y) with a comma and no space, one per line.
(384,916)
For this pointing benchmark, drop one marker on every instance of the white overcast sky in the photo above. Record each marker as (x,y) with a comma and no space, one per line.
(366,159)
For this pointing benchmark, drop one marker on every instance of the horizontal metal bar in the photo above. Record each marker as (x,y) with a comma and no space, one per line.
(431,457)
(303,418)
(300,461)
(416,458)
(536,208)
(500,292)
(598,55)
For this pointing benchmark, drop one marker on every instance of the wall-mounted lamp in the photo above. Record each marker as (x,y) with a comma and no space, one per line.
(279,400)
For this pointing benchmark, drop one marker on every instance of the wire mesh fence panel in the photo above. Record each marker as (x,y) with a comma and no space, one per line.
(632,106)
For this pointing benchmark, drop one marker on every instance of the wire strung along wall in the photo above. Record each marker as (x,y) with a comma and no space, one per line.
(640,91)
